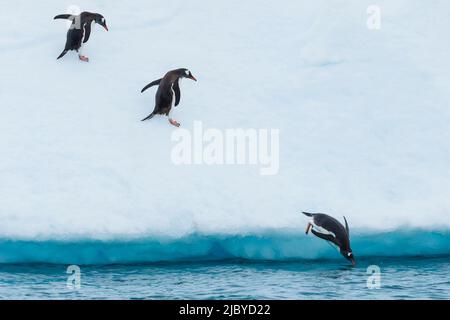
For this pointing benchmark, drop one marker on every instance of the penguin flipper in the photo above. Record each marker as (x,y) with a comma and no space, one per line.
(176,89)
(346,227)
(64,16)
(154,83)
(62,54)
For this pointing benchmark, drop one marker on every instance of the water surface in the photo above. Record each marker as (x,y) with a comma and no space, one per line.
(401,278)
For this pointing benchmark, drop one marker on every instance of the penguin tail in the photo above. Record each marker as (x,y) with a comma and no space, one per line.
(149,117)
(307,214)
(62,54)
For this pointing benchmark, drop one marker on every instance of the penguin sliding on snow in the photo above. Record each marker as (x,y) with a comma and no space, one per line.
(80,31)
(328,228)
(168,93)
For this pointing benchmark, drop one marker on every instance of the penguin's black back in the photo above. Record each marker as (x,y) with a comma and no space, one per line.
(163,100)
(333,225)
(165,95)
(329,223)
(80,29)
(74,39)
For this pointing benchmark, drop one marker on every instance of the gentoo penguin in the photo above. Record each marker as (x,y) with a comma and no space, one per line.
(80,31)
(168,94)
(328,228)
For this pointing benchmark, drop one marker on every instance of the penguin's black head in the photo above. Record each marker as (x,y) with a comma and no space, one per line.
(185,73)
(99,19)
(349,256)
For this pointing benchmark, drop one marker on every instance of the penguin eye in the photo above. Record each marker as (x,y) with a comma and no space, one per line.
(188,72)
(349,254)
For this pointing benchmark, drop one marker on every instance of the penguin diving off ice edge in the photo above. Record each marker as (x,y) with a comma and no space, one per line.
(80,31)
(168,94)
(329,229)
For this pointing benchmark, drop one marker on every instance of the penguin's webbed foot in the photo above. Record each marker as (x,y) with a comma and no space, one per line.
(174,123)
(83,58)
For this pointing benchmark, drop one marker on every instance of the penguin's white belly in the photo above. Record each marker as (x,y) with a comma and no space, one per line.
(84,35)
(173,97)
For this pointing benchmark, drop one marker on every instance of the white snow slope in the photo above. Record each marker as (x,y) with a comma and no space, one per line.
(363,116)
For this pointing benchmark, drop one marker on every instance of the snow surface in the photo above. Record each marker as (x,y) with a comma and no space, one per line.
(363,117)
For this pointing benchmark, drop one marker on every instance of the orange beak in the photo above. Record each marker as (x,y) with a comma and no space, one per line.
(193,78)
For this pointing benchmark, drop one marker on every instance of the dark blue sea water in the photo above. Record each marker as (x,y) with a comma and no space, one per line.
(399,278)
(412,264)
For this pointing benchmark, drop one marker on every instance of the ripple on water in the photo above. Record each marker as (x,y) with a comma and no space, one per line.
(400,279)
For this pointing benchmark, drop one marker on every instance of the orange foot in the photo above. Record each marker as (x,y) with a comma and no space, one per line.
(84,58)
(174,123)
